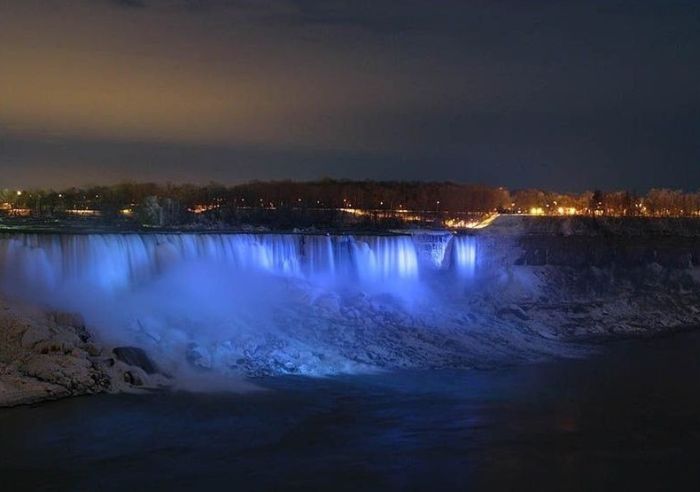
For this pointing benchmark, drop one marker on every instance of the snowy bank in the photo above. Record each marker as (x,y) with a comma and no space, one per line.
(50,355)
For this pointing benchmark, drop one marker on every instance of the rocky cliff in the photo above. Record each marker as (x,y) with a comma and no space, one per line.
(596,278)
(50,355)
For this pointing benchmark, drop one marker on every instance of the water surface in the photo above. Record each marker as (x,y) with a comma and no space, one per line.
(628,418)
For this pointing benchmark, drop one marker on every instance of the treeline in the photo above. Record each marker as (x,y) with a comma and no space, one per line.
(658,202)
(169,204)
(173,204)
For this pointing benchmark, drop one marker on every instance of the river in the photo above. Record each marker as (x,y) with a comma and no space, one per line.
(626,418)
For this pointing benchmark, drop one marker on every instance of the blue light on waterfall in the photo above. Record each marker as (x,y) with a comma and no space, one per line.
(464,253)
(232,293)
(113,262)
(118,261)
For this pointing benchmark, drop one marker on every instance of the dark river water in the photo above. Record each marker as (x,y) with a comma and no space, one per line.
(625,419)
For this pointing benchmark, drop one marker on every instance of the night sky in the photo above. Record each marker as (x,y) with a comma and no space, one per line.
(569,95)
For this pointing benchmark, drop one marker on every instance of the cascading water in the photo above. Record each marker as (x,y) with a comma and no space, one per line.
(45,262)
(280,302)
(464,254)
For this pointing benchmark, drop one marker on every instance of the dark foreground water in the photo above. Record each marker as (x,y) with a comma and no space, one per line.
(627,419)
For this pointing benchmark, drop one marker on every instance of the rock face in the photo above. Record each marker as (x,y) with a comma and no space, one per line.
(590,279)
(45,356)
(137,357)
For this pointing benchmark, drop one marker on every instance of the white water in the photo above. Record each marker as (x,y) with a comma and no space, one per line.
(46,263)
(278,300)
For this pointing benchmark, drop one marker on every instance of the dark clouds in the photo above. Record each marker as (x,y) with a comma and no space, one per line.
(130,3)
(567,94)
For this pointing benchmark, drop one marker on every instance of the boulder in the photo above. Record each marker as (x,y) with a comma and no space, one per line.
(137,357)
(132,378)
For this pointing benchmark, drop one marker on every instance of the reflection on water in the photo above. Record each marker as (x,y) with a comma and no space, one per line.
(628,419)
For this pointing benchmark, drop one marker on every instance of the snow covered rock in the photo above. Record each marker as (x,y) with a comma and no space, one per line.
(45,356)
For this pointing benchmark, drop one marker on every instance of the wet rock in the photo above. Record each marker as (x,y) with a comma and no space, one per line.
(137,357)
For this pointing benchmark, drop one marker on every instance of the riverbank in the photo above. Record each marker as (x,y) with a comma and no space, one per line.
(49,355)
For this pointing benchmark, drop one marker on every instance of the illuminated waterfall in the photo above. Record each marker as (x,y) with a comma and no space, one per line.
(43,262)
(275,301)
(464,252)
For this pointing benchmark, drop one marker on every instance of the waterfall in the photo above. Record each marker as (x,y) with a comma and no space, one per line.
(464,253)
(275,301)
(44,262)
